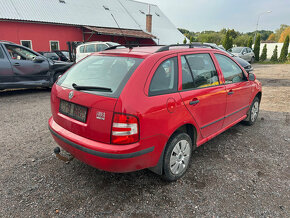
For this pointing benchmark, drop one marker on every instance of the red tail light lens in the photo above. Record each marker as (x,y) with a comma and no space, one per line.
(125,129)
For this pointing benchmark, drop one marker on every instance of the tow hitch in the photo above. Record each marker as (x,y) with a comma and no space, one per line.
(63,158)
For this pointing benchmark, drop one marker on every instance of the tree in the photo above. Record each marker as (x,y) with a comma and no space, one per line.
(250,42)
(184,41)
(271,37)
(191,39)
(279,31)
(228,41)
(264,53)
(274,57)
(284,50)
(257,47)
(284,34)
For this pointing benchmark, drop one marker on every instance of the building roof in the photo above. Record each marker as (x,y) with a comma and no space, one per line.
(128,14)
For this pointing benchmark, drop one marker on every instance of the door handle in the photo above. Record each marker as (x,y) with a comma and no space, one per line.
(16,64)
(194,102)
(230,92)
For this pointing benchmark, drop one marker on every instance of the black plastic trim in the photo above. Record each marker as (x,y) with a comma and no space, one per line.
(224,117)
(102,154)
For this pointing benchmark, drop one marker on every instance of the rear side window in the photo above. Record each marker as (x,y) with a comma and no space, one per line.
(90,48)
(82,49)
(231,71)
(110,72)
(164,80)
(198,71)
(101,47)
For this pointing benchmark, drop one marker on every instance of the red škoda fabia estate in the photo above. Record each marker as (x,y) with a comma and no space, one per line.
(127,109)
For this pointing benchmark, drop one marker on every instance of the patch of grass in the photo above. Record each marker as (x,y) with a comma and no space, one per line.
(272,62)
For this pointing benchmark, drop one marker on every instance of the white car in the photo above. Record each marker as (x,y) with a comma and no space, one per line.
(86,49)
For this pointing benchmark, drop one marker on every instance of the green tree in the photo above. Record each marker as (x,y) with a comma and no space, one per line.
(274,57)
(250,42)
(228,41)
(241,40)
(184,41)
(257,47)
(191,39)
(264,53)
(284,50)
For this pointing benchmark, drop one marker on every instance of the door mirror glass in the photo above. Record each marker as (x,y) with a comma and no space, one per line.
(251,77)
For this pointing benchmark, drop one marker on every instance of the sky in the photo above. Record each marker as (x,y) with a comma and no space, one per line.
(241,15)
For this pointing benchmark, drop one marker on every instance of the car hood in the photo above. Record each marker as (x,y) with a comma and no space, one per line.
(60,65)
(245,64)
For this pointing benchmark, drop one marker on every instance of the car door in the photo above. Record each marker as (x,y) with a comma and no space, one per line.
(202,92)
(238,89)
(6,72)
(23,64)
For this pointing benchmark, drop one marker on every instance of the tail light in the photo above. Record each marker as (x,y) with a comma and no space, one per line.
(125,129)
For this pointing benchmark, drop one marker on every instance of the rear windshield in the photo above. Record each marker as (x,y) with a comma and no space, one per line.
(110,72)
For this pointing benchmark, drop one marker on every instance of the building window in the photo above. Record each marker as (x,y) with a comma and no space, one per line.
(26,43)
(54,45)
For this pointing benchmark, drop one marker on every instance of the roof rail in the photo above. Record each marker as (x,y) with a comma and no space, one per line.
(192,45)
(129,46)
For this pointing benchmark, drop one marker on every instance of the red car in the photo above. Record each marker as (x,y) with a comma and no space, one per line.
(128,109)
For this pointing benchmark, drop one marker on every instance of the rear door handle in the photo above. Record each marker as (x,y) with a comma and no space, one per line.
(16,64)
(194,102)
(230,92)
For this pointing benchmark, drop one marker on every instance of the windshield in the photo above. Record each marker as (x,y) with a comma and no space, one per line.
(236,49)
(109,72)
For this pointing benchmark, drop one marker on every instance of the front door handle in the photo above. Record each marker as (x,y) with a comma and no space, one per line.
(230,92)
(194,102)
(16,64)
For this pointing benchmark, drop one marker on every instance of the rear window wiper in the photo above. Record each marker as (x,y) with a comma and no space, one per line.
(95,88)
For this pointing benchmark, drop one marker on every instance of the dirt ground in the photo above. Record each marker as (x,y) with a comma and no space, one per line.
(242,172)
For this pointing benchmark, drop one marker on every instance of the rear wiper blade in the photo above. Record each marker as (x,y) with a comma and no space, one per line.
(103,89)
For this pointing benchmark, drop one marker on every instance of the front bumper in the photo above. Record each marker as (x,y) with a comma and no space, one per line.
(107,157)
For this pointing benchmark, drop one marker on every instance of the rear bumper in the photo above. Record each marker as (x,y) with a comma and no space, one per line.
(112,158)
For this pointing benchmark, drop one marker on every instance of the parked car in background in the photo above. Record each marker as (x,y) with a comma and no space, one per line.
(244,53)
(63,55)
(246,65)
(21,67)
(51,55)
(88,48)
(181,98)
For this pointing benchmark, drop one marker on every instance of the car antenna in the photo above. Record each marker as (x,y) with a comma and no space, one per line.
(129,46)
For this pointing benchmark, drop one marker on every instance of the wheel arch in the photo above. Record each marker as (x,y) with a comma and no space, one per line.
(188,128)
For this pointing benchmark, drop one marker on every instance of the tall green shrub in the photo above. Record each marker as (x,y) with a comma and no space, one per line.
(264,53)
(284,50)
(228,41)
(257,47)
(250,42)
(184,41)
(274,57)
(191,39)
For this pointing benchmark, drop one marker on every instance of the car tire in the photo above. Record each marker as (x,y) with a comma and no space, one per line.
(253,112)
(252,60)
(177,156)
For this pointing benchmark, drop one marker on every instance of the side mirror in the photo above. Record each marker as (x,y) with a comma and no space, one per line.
(38,59)
(251,77)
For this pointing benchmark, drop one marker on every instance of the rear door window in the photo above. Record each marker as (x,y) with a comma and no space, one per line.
(164,80)
(202,70)
(109,72)
(101,47)
(231,71)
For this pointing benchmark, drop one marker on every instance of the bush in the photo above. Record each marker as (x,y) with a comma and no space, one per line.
(228,41)
(191,39)
(284,50)
(264,53)
(250,42)
(274,57)
(257,47)
(184,41)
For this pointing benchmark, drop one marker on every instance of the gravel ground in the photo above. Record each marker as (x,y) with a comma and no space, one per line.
(242,172)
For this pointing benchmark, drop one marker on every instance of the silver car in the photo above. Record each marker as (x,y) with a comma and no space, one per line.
(243,52)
